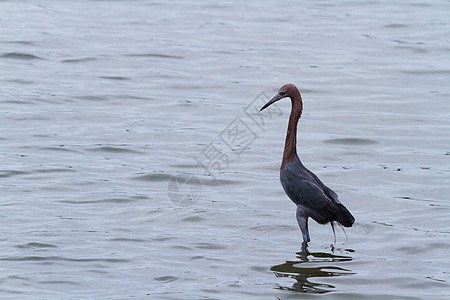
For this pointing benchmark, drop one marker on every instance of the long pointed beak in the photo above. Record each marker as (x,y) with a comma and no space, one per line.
(272,101)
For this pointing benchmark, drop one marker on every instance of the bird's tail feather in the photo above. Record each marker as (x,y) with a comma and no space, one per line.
(344,217)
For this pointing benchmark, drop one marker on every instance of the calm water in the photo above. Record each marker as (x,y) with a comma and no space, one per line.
(134,165)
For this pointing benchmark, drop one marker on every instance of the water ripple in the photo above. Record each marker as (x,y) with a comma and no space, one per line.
(351,141)
(10,173)
(157,55)
(19,55)
(114,149)
(59,258)
(80,60)
(35,245)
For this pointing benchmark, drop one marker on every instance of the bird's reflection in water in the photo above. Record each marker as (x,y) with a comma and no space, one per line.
(310,265)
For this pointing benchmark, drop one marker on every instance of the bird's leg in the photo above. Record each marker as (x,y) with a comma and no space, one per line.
(302,221)
(305,248)
(334,232)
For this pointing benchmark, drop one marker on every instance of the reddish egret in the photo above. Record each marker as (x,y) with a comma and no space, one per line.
(313,198)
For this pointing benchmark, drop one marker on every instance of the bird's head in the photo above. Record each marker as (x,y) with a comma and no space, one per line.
(287,90)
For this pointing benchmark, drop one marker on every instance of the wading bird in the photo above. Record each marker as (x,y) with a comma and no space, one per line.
(313,198)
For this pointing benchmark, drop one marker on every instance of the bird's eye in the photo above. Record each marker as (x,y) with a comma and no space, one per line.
(284,92)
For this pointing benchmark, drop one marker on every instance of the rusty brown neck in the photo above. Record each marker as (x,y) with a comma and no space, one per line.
(290,147)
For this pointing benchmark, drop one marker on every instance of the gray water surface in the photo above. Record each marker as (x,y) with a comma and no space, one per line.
(134,163)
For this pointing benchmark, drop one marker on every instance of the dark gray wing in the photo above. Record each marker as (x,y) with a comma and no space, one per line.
(329,192)
(321,203)
(307,193)
(343,216)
